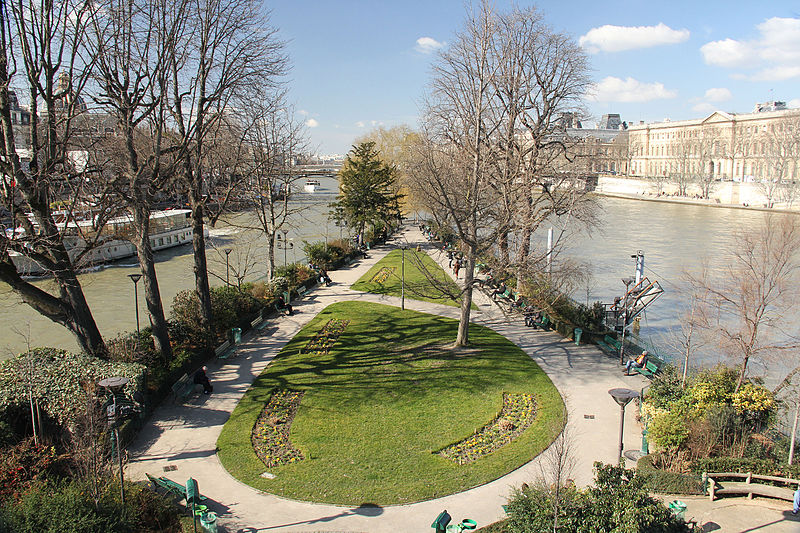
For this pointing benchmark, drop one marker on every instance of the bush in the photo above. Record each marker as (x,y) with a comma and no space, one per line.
(61,380)
(67,507)
(767,467)
(619,501)
(229,305)
(663,482)
(668,430)
(24,464)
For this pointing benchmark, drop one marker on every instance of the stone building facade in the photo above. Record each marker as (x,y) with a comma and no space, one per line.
(761,146)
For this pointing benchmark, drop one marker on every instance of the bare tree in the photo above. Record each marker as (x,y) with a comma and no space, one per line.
(134,45)
(230,51)
(557,465)
(757,291)
(55,68)
(491,163)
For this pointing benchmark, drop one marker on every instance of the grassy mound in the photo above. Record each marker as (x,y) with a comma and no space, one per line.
(377,404)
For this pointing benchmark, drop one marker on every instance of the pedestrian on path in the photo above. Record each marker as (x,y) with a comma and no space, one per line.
(796,506)
(457,267)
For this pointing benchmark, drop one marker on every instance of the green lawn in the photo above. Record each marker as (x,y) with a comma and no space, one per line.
(418,285)
(388,394)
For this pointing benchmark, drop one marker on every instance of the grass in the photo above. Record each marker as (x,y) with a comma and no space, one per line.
(418,286)
(389,394)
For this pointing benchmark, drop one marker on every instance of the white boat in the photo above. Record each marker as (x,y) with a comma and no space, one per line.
(168,229)
(311,185)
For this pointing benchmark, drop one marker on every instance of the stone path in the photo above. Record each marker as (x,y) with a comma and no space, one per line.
(183,437)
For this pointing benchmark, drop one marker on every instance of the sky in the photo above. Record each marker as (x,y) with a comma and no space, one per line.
(358,64)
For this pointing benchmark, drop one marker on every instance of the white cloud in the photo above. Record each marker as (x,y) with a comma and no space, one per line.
(773,55)
(794,103)
(610,38)
(311,123)
(360,124)
(718,94)
(427,45)
(704,107)
(303,112)
(613,89)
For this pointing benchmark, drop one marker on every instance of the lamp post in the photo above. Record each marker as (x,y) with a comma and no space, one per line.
(403,278)
(135,279)
(284,244)
(113,387)
(227,266)
(622,397)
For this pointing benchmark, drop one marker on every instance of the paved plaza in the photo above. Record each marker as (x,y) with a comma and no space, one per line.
(183,437)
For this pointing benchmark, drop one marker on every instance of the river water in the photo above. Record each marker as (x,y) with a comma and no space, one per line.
(674,238)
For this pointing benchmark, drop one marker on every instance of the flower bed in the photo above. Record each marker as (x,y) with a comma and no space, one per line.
(323,340)
(382,275)
(518,412)
(271,432)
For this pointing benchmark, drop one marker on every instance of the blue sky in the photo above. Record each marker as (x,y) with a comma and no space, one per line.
(358,64)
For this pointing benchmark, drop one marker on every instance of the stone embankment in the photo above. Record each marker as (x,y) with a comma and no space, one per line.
(731,194)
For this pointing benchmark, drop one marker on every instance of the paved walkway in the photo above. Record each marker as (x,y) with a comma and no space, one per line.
(183,437)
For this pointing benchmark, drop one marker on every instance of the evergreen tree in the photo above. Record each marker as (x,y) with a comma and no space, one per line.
(368,197)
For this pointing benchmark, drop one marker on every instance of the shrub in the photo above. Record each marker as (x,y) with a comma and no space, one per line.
(22,465)
(665,389)
(229,305)
(668,430)
(67,507)
(664,482)
(60,380)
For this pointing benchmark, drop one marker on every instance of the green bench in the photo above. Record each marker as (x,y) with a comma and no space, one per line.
(544,323)
(610,345)
(652,366)
(171,487)
(183,388)
(224,350)
(256,322)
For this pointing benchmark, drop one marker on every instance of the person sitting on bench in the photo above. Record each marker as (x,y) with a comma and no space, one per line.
(284,305)
(532,316)
(499,290)
(638,363)
(324,277)
(200,378)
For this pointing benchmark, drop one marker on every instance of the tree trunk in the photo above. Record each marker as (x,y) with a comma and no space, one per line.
(152,292)
(462,338)
(199,254)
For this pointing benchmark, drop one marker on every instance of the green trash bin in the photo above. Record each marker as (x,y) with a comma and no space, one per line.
(678,508)
(236,335)
(578,333)
(209,522)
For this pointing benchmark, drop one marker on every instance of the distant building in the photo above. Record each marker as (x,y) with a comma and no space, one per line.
(728,146)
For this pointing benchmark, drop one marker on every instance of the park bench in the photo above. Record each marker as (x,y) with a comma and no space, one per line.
(287,299)
(652,366)
(256,322)
(171,487)
(610,345)
(183,388)
(544,323)
(224,350)
(750,484)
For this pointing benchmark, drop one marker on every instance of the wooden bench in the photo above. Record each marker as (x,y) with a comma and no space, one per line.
(256,322)
(224,350)
(750,485)
(171,487)
(183,388)
(610,345)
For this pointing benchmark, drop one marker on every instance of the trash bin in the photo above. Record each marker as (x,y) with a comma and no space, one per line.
(236,335)
(578,333)
(678,508)
(209,522)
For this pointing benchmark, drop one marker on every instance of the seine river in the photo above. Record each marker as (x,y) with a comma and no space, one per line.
(675,238)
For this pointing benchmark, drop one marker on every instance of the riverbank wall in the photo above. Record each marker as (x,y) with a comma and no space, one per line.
(731,194)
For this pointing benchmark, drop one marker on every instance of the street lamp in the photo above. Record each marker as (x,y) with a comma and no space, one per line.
(284,245)
(403,278)
(622,397)
(227,266)
(115,413)
(135,279)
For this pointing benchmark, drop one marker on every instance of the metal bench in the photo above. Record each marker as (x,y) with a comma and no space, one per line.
(750,485)
(301,291)
(652,366)
(610,345)
(544,323)
(256,322)
(224,350)
(171,487)
(183,388)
